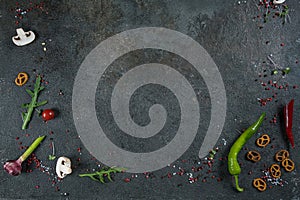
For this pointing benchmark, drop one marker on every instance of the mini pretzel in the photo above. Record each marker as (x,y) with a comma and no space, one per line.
(253,156)
(288,164)
(275,171)
(263,140)
(281,155)
(21,79)
(260,184)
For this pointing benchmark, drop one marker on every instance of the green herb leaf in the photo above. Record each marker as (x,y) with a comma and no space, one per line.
(41,88)
(30,92)
(25,105)
(286,71)
(274,72)
(41,103)
(51,157)
(101,179)
(30,107)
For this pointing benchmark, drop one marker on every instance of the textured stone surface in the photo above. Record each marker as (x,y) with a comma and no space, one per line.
(71,29)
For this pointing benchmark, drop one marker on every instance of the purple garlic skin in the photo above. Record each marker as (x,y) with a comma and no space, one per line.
(13,167)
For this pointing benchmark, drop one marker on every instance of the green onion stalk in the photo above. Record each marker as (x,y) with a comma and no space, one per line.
(14,167)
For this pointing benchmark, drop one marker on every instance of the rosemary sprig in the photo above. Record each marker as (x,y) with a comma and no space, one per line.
(26,116)
(99,176)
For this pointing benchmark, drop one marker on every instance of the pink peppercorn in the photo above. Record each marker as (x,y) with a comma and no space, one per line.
(127,180)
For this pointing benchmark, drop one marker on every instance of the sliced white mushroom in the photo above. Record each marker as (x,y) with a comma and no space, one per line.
(278,1)
(23,38)
(63,167)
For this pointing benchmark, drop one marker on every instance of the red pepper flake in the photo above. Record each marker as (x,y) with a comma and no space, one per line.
(180,173)
(17,138)
(219,179)
(37,187)
(27,135)
(78,149)
(204,180)
(295,86)
(282,44)
(127,180)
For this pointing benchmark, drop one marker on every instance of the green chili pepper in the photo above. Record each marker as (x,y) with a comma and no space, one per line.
(233,165)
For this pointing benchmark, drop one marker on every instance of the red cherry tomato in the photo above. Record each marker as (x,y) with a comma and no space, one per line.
(48,114)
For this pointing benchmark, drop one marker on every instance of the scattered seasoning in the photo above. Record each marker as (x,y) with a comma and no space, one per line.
(267,9)
(64,194)
(21,10)
(60,93)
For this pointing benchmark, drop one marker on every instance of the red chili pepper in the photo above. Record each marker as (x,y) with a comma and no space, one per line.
(288,121)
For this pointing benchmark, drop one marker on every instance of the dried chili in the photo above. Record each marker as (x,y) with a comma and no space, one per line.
(288,121)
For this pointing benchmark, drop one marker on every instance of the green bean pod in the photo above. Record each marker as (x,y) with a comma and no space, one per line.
(233,165)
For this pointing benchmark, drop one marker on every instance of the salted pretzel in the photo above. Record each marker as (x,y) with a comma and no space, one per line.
(288,165)
(263,140)
(253,156)
(275,171)
(21,79)
(281,155)
(259,184)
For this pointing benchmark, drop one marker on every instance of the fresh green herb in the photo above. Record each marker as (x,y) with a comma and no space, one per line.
(286,71)
(99,176)
(52,156)
(274,72)
(26,116)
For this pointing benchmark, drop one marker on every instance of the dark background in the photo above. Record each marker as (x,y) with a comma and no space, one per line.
(234,34)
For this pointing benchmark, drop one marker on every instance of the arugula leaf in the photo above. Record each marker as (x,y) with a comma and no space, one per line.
(33,104)
(99,176)
(41,103)
(30,92)
(25,105)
